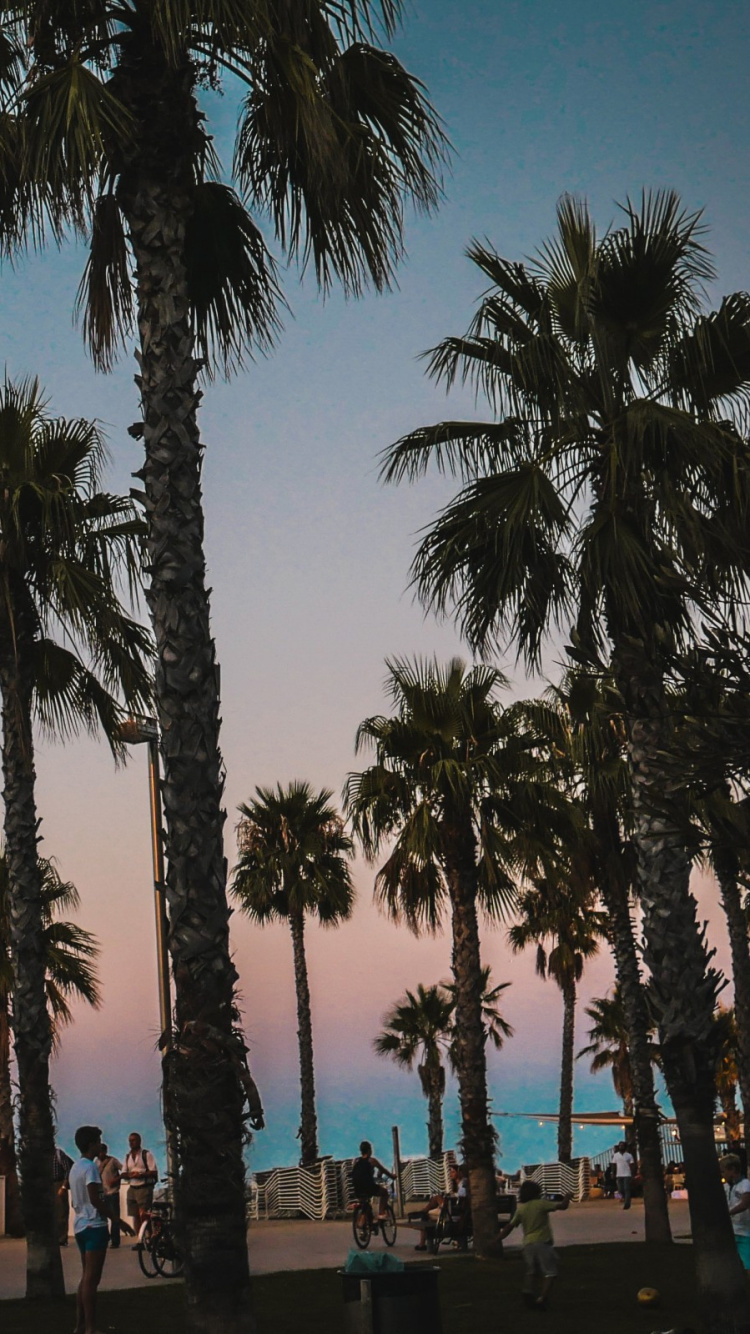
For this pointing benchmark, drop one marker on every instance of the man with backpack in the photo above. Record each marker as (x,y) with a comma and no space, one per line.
(141,1173)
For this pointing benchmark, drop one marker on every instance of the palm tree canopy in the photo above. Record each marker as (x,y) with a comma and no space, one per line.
(334,136)
(559,916)
(448,753)
(608,1041)
(418,1028)
(612,488)
(66,546)
(294,856)
(70,951)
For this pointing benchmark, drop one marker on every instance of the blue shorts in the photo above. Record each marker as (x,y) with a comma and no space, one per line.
(743,1246)
(92,1239)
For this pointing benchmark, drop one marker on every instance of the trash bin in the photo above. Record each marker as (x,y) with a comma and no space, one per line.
(405,1303)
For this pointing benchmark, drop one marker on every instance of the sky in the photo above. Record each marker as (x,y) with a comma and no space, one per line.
(308,554)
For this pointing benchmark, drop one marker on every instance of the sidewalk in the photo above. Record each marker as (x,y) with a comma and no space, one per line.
(278,1246)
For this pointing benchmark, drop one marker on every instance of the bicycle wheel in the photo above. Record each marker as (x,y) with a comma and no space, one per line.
(145,1244)
(362,1226)
(388,1226)
(167,1258)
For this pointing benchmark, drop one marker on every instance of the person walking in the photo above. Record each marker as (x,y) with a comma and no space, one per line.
(61,1165)
(90,1224)
(737,1188)
(539,1255)
(141,1173)
(624,1164)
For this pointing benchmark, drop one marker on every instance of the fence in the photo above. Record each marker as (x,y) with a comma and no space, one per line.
(573,1178)
(325,1189)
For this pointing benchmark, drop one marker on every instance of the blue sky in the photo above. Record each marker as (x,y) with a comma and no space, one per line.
(308,554)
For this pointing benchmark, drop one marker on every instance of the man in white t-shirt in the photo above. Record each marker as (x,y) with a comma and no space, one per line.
(90,1225)
(738,1198)
(141,1173)
(624,1164)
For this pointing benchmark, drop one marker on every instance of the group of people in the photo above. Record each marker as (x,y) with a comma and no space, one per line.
(93,1185)
(139,1171)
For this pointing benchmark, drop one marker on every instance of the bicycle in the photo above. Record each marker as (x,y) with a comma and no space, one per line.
(158,1252)
(365,1225)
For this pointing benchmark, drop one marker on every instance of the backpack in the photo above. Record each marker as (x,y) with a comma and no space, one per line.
(362,1176)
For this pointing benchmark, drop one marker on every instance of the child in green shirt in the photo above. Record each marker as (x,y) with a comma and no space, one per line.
(539,1256)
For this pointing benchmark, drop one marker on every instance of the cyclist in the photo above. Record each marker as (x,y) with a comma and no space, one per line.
(363,1177)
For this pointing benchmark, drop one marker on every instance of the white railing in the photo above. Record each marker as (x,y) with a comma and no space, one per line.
(325,1189)
(573,1178)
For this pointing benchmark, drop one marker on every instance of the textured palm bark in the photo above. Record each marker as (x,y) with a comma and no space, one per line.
(205,1098)
(470,1058)
(8,1165)
(32,1034)
(308,1127)
(727,871)
(685,988)
(433,1082)
(565,1120)
(614,886)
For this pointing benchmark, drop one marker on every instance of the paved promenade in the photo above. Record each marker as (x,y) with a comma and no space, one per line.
(278,1246)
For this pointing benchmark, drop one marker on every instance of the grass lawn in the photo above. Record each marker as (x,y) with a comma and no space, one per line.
(597,1284)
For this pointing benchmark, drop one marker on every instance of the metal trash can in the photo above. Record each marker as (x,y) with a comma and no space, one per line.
(405,1303)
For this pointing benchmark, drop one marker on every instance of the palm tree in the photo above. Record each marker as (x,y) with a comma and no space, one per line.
(611,497)
(710,700)
(294,863)
(609,1046)
(66,649)
(458,787)
(334,138)
(421,1028)
(418,1028)
(559,917)
(726,1038)
(70,974)
(495,1025)
(581,721)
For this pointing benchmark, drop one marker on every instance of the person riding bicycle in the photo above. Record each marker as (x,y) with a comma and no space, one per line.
(363,1177)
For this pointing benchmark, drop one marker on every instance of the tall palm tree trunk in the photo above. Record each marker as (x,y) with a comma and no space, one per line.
(614,889)
(565,1120)
(470,1058)
(685,990)
(725,865)
(308,1117)
(204,1099)
(433,1081)
(32,1034)
(8,1165)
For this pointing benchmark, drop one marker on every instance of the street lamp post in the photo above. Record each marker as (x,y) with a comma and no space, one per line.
(135,731)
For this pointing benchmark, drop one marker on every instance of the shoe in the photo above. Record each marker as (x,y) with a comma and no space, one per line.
(420,1248)
(540,1304)
(529,1300)
(136,1248)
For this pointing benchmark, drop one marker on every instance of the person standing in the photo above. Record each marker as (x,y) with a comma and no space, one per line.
(623,1163)
(539,1255)
(90,1224)
(61,1165)
(141,1173)
(738,1198)
(110,1169)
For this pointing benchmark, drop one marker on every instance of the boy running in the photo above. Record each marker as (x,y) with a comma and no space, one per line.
(539,1255)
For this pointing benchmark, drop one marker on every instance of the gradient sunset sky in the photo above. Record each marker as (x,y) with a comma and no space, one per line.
(308,554)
